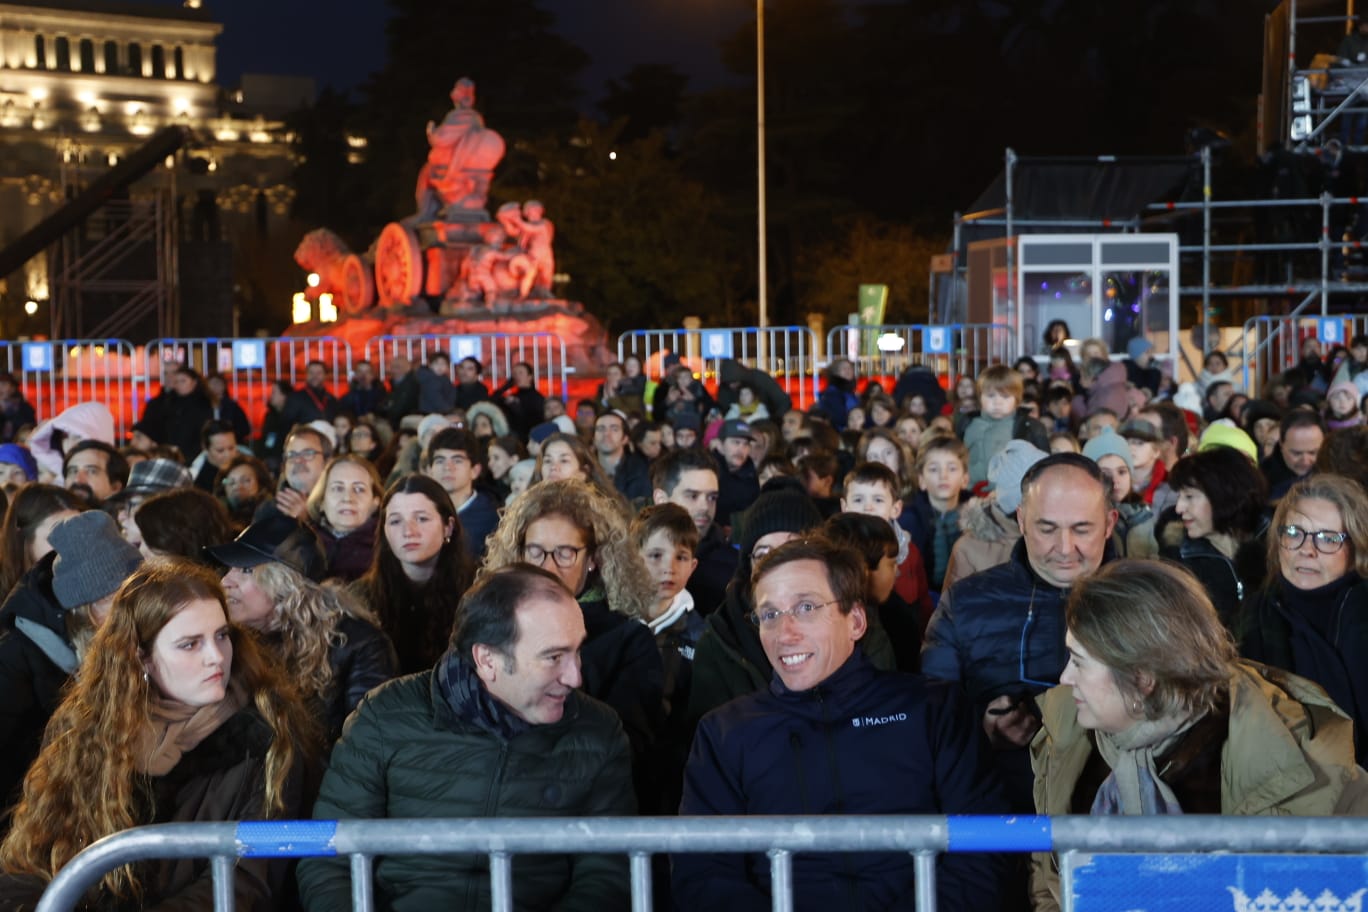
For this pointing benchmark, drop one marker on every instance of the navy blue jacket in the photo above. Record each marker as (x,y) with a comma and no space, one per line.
(862,742)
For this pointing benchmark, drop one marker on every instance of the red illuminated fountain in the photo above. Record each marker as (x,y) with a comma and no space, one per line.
(451,269)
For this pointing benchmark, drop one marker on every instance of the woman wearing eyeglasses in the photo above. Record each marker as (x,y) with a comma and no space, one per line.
(579,533)
(1312,617)
(1156,714)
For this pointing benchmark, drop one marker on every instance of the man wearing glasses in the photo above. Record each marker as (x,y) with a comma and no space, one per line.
(1000,632)
(306,452)
(834,735)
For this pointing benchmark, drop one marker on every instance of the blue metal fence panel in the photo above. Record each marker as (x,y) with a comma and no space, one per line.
(1219,883)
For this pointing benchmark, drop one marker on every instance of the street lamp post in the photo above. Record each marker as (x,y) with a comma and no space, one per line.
(760,158)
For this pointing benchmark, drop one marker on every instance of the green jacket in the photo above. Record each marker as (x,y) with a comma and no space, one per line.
(1289,751)
(406,753)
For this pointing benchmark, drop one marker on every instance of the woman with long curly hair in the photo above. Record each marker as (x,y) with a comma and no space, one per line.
(581,534)
(328,641)
(420,571)
(174,716)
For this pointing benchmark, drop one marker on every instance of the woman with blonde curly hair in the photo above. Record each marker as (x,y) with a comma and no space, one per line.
(579,533)
(174,716)
(330,643)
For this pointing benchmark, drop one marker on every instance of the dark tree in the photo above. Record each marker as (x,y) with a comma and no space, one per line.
(648,97)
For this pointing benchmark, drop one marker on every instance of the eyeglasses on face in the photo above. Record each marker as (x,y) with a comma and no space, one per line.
(1292,537)
(803,613)
(302,455)
(565,556)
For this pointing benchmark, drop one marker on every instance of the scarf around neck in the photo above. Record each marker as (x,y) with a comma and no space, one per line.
(1134,786)
(174,729)
(466,696)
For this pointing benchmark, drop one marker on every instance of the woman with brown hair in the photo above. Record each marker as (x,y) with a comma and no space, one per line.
(174,716)
(32,512)
(1156,714)
(567,456)
(419,573)
(243,485)
(182,523)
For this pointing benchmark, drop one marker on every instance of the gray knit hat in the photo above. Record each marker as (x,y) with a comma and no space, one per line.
(1108,443)
(92,560)
(1006,469)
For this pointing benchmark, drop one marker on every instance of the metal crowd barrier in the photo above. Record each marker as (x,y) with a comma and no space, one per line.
(786,353)
(952,350)
(249,365)
(497,352)
(58,374)
(1107,864)
(1270,345)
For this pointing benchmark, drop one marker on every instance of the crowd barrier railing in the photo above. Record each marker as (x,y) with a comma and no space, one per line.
(60,373)
(249,366)
(496,352)
(952,350)
(1272,344)
(1107,864)
(786,353)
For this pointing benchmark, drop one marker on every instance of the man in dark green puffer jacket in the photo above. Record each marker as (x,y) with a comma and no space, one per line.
(497,729)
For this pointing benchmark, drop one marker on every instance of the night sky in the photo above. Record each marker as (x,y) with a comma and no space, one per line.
(340,48)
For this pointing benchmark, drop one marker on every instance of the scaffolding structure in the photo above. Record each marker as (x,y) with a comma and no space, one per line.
(1298,276)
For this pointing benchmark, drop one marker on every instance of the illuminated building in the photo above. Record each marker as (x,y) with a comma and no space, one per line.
(84,83)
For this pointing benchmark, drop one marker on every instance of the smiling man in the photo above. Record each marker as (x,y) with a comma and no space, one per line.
(827,737)
(1001,632)
(497,728)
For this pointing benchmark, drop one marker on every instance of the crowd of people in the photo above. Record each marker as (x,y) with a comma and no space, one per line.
(1056,587)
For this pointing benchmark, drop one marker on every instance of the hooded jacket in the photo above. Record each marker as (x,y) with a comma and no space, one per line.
(835,749)
(986,540)
(1288,750)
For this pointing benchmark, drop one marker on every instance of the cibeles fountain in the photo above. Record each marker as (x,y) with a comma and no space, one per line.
(451,268)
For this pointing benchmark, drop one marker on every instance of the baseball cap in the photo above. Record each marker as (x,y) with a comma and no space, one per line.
(735,428)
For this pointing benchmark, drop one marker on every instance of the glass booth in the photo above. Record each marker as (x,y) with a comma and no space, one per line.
(1112,287)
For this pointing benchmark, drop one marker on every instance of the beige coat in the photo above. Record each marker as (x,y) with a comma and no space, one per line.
(987,540)
(1270,764)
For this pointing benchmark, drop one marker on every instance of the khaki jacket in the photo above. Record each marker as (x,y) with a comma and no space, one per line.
(1270,763)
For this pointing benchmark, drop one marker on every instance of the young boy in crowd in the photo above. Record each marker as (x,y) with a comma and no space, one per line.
(877,543)
(1059,408)
(871,488)
(1001,419)
(943,476)
(666,537)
